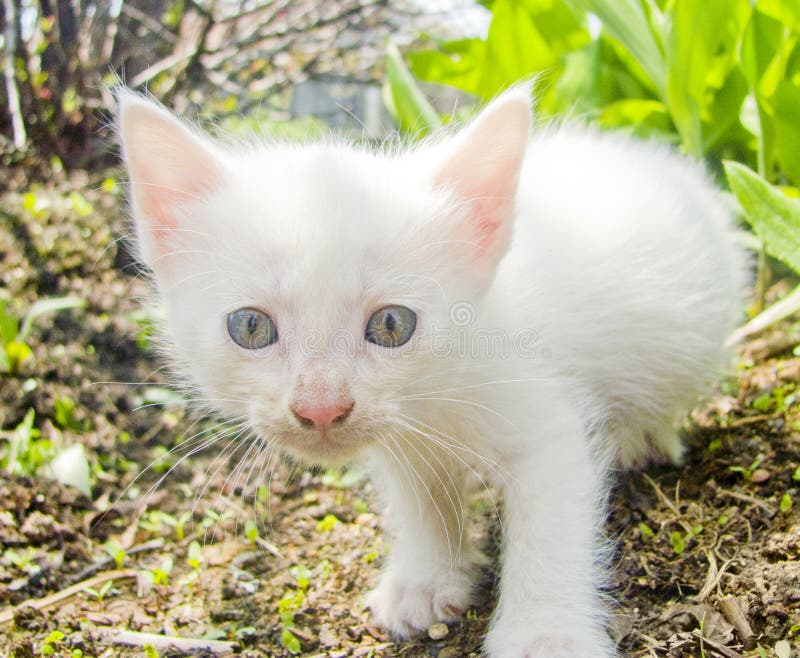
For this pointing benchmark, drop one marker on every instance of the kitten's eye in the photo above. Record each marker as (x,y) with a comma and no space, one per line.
(251,328)
(391,326)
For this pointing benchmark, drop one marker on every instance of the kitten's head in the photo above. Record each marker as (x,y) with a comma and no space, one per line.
(306,288)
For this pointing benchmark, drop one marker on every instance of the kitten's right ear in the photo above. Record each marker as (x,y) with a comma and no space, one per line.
(168,166)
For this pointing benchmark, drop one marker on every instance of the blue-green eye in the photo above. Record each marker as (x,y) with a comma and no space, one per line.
(391,326)
(251,328)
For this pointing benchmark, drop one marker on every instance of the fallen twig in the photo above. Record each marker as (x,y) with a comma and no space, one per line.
(7,616)
(731,607)
(747,499)
(187,645)
(717,646)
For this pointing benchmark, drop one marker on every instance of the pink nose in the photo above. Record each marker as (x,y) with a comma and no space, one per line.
(322,416)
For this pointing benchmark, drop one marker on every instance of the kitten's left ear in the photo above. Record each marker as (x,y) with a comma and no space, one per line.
(169,166)
(483,171)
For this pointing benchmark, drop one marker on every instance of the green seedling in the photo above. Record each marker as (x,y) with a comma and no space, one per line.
(328,523)
(796,474)
(99,594)
(325,568)
(194,558)
(64,413)
(161,574)
(302,576)
(116,551)
(14,349)
(26,451)
(146,329)
(786,503)
(679,541)
(194,555)
(244,632)
(290,642)
(251,530)
(22,559)
(748,471)
(646,531)
(342,479)
(51,642)
(150,651)
(289,604)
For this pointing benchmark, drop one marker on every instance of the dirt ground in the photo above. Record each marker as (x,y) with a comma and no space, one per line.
(708,560)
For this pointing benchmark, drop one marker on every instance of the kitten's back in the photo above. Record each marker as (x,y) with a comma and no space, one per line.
(635,276)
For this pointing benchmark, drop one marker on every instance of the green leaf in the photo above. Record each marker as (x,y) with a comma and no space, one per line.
(290,642)
(764,53)
(328,523)
(785,11)
(787,128)
(79,204)
(678,542)
(634,24)
(9,325)
(45,306)
(16,353)
(636,112)
(526,38)
(774,216)
(694,35)
(458,65)
(405,100)
(194,555)
(786,503)
(64,413)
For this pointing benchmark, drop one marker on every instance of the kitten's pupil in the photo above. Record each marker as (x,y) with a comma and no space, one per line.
(390,322)
(252,324)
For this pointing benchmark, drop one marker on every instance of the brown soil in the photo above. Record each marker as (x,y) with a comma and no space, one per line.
(709,553)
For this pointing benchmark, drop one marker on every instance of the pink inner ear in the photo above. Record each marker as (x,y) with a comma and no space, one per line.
(484,171)
(168,164)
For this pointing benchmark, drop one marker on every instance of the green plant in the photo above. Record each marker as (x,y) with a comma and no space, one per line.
(14,350)
(748,471)
(775,218)
(99,594)
(116,552)
(25,452)
(291,602)
(51,643)
(328,523)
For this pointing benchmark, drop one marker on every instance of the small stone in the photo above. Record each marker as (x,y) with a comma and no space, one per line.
(783,649)
(328,637)
(438,631)
(761,475)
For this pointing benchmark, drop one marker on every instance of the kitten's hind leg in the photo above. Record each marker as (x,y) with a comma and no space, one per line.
(430,568)
(639,441)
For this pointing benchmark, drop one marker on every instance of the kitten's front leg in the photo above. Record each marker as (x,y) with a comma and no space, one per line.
(429,572)
(554,502)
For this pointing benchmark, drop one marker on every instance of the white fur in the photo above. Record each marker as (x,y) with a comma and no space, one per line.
(607,281)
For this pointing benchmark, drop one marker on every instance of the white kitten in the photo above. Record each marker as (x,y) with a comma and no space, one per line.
(523,308)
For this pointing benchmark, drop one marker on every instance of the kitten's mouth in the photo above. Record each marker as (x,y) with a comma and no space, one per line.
(335,444)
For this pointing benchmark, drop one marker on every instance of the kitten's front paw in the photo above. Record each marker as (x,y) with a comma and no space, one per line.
(405,604)
(525,642)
